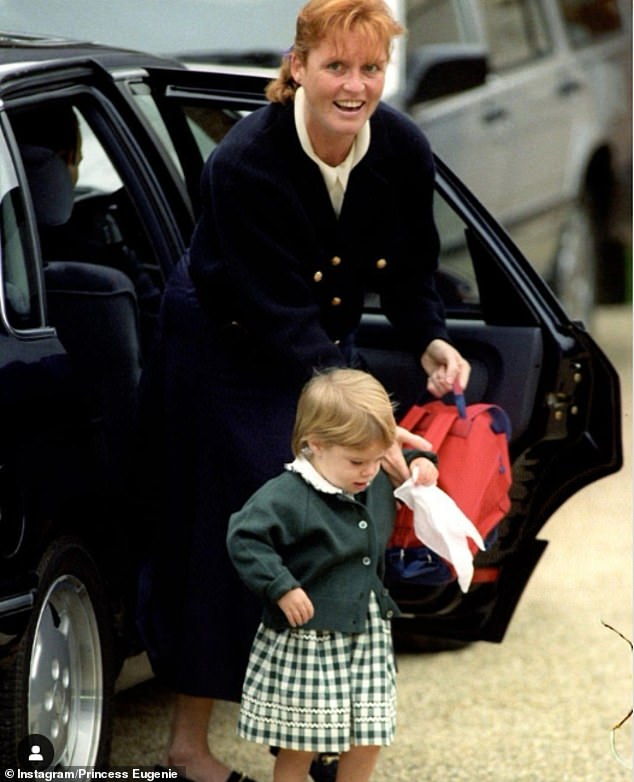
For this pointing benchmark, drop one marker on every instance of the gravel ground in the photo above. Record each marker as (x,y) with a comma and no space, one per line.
(538,707)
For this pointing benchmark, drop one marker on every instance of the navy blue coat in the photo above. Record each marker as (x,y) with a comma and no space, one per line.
(272,287)
(270,253)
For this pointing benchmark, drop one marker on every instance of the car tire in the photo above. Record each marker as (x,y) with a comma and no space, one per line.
(574,277)
(61,680)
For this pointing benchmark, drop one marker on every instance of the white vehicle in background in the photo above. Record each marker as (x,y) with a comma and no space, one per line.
(529,101)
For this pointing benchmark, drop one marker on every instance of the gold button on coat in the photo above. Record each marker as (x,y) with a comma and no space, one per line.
(318,276)
(335,301)
(335,260)
(381,263)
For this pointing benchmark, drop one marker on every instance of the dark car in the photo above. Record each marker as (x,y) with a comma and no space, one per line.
(81,276)
(542,88)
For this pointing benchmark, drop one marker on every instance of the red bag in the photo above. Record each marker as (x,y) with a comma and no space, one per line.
(474,470)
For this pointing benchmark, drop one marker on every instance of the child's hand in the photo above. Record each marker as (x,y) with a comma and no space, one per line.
(297,607)
(424,471)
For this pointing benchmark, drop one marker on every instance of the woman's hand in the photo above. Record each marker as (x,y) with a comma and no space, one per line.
(444,366)
(393,462)
(297,607)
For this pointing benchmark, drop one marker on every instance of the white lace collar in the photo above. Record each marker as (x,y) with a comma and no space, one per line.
(303,467)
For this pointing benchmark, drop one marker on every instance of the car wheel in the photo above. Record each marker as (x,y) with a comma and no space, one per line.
(575,266)
(61,681)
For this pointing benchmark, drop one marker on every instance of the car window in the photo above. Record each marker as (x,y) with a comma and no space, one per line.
(430,21)
(144,100)
(84,201)
(456,278)
(589,20)
(20,291)
(207,123)
(516,32)
(457,281)
(186,128)
(96,172)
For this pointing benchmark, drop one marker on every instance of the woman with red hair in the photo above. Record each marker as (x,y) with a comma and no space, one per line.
(308,202)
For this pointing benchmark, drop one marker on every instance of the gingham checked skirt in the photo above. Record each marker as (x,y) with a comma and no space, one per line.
(321,691)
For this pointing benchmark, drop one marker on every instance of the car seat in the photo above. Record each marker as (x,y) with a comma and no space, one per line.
(50,185)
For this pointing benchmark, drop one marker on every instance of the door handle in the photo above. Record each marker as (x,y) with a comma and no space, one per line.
(495,114)
(569,87)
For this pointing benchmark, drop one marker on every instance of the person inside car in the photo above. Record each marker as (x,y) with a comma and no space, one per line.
(307,202)
(88,230)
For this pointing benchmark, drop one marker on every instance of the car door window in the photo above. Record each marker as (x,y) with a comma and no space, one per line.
(86,210)
(21,299)
(144,101)
(96,172)
(516,32)
(457,280)
(431,21)
(186,126)
(208,125)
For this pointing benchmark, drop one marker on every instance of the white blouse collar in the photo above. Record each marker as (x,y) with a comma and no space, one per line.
(330,173)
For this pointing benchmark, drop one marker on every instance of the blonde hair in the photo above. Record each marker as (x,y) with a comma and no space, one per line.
(320,18)
(344,407)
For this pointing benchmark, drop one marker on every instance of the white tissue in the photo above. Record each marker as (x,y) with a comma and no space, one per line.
(442,526)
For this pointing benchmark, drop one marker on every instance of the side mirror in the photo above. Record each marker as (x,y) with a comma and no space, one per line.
(439,70)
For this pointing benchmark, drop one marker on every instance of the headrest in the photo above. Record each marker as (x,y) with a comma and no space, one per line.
(50,184)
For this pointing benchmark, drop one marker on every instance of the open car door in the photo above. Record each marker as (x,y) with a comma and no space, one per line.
(558,388)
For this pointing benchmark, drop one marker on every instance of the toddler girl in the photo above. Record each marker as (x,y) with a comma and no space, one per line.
(311,544)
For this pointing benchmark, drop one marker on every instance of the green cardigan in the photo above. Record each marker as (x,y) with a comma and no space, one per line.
(291,534)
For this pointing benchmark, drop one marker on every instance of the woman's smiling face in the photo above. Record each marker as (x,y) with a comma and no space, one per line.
(343,80)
